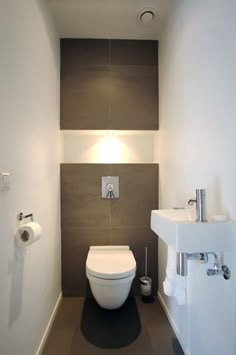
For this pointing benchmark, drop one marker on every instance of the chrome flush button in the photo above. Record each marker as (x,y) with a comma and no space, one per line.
(110,187)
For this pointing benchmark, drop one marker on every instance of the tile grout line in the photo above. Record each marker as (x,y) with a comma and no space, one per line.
(110,229)
(110,89)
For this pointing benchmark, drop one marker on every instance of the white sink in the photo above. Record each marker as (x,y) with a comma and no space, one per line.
(178,229)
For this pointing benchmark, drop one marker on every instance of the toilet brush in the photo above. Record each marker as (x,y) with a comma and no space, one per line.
(146,262)
(145,281)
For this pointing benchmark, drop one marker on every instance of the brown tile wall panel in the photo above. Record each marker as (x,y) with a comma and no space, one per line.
(133,52)
(77,52)
(138,195)
(75,246)
(138,239)
(134,97)
(84,84)
(87,219)
(109,84)
(81,203)
(84,99)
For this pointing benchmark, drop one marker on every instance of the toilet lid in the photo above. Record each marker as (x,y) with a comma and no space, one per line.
(110,264)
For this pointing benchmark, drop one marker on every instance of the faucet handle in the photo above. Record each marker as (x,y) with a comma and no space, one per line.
(226,272)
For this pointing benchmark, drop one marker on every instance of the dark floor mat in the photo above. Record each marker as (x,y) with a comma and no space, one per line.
(110,329)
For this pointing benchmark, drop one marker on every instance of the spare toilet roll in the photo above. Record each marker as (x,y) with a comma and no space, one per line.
(28,234)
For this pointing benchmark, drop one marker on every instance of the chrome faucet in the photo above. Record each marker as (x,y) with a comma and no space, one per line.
(182,264)
(217,270)
(200,201)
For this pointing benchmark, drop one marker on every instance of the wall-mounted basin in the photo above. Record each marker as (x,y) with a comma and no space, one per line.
(178,229)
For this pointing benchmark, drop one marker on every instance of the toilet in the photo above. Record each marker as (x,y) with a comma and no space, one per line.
(110,271)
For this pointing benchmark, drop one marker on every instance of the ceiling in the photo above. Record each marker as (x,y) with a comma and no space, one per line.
(107,18)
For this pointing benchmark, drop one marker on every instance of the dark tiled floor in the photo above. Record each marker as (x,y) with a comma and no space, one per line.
(137,328)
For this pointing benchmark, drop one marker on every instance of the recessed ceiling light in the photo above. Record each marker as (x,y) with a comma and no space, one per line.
(146,16)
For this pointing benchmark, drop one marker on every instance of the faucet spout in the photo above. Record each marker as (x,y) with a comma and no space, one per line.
(191,201)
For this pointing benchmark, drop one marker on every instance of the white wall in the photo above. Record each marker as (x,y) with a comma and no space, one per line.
(29,150)
(198,144)
(110,147)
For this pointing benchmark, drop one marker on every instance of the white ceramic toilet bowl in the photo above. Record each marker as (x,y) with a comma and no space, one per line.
(110,271)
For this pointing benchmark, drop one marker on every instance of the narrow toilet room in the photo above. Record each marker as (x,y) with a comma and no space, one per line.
(117,141)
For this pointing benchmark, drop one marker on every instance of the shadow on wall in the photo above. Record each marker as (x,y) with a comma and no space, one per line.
(49,29)
(217,199)
(176,347)
(16,272)
(110,330)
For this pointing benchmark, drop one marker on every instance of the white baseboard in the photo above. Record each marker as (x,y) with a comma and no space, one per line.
(172,323)
(48,328)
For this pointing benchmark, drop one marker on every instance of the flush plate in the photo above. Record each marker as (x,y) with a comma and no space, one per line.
(110,187)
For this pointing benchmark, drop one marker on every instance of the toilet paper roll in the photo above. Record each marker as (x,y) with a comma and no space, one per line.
(28,234)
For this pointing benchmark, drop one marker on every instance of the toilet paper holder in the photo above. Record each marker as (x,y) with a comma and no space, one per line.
(20,216)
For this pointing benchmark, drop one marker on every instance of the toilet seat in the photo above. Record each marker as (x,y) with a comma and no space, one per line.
(110,263)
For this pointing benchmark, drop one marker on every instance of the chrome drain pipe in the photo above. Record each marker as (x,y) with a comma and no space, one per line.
(182,261)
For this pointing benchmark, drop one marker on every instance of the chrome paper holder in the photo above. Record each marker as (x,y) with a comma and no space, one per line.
(20,216)
(182,264)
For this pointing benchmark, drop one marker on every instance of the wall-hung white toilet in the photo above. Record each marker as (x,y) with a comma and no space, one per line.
(110,271)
